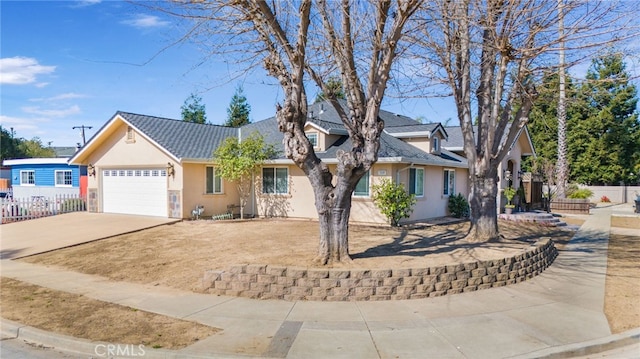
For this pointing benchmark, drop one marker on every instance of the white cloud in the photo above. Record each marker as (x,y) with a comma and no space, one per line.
(143,21)
(83,3)
(21,70)
(73,110)
(64,96)
(19,123)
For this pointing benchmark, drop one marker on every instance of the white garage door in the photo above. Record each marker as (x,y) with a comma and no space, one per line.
(135,191)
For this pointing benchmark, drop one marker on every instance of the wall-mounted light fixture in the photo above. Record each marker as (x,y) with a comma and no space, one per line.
(91,170)
(171,171)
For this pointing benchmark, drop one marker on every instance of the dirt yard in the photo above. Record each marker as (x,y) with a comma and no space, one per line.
(177,255)
(81,317)
(622,288)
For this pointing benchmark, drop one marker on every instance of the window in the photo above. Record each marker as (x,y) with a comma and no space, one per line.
(275,180)
(416,181)
(213,181)
(362,188)
(63,178)
(27,178)
(313,138)
(436,144)
(449,183)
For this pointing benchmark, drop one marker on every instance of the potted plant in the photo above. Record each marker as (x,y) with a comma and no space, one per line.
(509,193)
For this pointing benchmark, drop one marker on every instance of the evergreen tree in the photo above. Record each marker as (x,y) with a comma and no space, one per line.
(239,109)
(334,87)
(604,132)
(193,110)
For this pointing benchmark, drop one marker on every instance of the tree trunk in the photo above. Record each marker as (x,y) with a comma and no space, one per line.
(334,236)
(482,200)
(562,167)
(334,209)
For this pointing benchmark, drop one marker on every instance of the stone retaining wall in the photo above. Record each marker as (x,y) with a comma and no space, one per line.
(317,284)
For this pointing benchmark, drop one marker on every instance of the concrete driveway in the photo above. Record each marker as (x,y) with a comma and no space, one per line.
(25,238)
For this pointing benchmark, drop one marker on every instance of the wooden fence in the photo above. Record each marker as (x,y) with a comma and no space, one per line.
(21,209)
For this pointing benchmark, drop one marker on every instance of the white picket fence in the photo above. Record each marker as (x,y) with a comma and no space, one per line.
(20,209)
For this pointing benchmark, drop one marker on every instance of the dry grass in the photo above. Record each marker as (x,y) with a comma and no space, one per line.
(81,317)
(622,287)
(177,255)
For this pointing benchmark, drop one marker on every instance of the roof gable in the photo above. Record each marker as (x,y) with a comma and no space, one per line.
(178,139)
(456,139)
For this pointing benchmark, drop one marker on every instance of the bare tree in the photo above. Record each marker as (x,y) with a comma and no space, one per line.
(299,42)
(490,54)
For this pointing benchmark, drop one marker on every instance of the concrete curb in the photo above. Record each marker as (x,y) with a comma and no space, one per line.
(590,347)
(14,330)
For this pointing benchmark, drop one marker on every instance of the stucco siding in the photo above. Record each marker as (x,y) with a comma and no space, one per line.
(194,193)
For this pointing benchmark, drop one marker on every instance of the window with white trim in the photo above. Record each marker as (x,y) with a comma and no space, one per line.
(416,181)
(28,178)
(63,178)
(449,182)
(213,181)
(313,138)
(275,180)
(362,188)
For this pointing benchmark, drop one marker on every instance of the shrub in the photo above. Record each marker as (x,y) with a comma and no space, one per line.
(581,193)
(605,199)
(393,201)
(509,192)
(458,206)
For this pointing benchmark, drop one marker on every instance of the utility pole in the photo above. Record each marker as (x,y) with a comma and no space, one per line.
(82,127)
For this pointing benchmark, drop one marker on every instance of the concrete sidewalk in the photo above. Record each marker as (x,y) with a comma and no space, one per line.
(25,238)
(556,311)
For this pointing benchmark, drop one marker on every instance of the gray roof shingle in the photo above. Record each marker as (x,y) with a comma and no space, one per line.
(183,139)
(187,140)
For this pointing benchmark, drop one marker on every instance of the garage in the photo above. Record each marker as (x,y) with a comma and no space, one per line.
(140,191)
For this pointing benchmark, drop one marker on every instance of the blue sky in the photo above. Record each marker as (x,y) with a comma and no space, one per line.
(67,64)
(72,63)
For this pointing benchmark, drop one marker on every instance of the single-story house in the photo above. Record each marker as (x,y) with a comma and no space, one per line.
(155,166)
(47,177)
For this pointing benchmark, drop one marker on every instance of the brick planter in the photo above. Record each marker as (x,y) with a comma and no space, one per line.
(317,284)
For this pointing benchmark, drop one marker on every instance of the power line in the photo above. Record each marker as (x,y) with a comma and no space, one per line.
(82,127)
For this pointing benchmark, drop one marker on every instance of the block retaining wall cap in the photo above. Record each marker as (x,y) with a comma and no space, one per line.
(318,284)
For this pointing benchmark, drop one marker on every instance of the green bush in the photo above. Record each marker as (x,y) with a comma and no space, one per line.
(393,201)
(458,206)
(509,193)
(581,193)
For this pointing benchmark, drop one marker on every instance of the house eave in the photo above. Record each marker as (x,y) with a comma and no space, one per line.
(36,161)
(409,134)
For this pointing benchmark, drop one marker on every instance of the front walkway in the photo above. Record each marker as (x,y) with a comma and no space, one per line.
(562,306)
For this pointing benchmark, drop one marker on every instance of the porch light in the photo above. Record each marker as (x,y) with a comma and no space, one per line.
(170,170)
(91,170)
